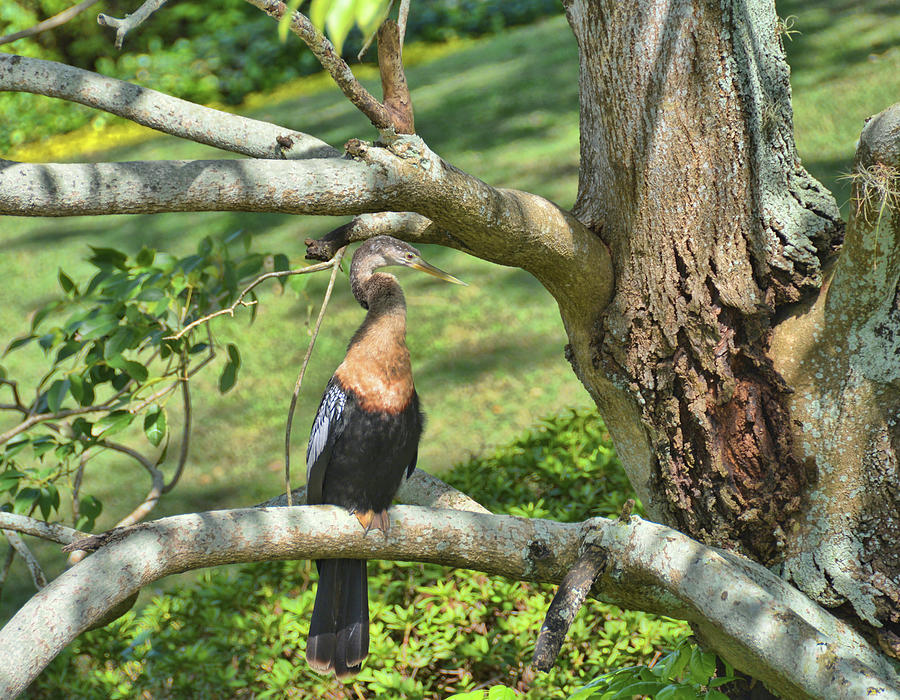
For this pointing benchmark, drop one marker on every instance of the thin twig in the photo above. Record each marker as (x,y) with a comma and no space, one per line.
(14,387)
(150,500)
(229,310)
(49,23)
(54,532)
(7,563)
(401,20)
(34,568)
(185,434)
(336,263)
(129,22)
(331,61)
(76,486)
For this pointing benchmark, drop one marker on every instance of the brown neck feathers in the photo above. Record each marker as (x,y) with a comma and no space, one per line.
(377,367)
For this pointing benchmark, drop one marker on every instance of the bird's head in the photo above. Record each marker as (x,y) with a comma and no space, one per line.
(384,251)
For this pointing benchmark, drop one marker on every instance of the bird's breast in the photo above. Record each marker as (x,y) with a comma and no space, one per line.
(378,385)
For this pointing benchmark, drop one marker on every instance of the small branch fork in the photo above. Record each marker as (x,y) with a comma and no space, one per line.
(396,113)
(129,22)
(229,310)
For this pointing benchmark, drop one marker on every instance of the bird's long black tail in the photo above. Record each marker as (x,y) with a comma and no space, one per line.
(339,628)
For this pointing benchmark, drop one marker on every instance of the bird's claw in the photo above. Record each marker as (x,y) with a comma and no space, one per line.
(370,520)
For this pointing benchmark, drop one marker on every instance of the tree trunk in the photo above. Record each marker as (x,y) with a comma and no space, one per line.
(738,418)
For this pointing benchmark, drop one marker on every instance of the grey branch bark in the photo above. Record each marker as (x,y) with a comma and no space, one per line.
(508,227)
(159,111)
(130,22)
(34,568)
(771,629)
(39,528)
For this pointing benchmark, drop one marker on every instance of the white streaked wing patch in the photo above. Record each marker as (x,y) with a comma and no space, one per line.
(329,414)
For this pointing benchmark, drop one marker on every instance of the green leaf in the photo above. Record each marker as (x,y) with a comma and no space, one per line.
(19,342)
(318,12)
(370,14)
(135,370)
(639,688)
(501,692)
(112,423)
(104,257)
(25,499)
(69,349)
(228,378)
(339,22)
(81,389)
(155,426)
(56,393)
(88,510)
(48,500)
(9,479)
(674,663)
(100,325)
(715,695)
(121,340)
(233,355)
(66,283)
(145,257)
(702,666)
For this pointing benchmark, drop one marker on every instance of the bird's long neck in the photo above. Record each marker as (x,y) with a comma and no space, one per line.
(377,366)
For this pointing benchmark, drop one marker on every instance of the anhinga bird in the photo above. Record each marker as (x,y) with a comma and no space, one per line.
(364,442)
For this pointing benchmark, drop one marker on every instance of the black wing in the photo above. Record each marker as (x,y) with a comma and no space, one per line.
(327,425)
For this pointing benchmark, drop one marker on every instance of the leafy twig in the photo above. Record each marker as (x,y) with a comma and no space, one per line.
(336,265)
(331,61)
(229,310)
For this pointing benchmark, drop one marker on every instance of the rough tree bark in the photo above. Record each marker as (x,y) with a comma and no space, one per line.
(745,358)
(751,389)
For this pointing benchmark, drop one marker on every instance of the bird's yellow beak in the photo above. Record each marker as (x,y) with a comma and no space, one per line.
(420,264)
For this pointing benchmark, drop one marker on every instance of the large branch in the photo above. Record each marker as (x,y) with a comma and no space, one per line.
(867,273)
(772,632)
(157,110)
(508,227)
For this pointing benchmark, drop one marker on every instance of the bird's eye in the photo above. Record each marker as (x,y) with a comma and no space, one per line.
(410,256)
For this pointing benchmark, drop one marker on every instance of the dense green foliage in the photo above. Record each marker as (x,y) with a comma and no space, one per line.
(239,632)
(116,353)
(204,56)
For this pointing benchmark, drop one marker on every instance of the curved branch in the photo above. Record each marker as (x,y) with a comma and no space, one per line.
(38,577)
(867,272)
(157,110)
(800,653)
(508,227)
(39,528)
(50,23)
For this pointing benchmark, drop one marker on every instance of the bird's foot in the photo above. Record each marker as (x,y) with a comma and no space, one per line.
(370,520)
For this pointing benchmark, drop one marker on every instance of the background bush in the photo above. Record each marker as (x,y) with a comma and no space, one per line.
(239,631)
(203,56)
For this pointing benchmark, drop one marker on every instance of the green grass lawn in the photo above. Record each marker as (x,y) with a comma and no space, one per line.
(488,357)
